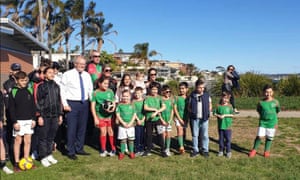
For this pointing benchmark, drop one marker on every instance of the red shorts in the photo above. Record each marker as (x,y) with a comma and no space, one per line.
(105,123)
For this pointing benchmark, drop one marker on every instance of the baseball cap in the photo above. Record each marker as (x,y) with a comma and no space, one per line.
(15,67)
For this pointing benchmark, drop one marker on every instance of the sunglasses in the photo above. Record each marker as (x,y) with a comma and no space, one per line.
(107,70)
(168,91)
(96,56)
(152,74)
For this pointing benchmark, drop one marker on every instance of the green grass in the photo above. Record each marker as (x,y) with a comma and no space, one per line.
(284,162)
(286,102)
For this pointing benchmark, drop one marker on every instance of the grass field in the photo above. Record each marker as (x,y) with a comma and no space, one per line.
(286,102)
(284,162)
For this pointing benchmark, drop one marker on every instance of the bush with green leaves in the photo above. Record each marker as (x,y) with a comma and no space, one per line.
(289,86)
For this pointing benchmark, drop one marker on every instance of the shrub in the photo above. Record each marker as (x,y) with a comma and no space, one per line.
(289,86)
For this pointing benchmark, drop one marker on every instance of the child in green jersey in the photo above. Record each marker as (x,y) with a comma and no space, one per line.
(138,103)
(181,113)
(103,117)
(126,116)
(268,109)
(224,113)
(153,106)
(166,118)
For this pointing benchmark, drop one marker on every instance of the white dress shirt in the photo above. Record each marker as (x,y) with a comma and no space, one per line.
(70,86)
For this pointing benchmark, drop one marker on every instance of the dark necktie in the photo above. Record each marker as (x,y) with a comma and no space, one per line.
(81,87)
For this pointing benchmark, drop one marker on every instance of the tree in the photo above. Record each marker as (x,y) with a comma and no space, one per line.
(141,53)
(97,29)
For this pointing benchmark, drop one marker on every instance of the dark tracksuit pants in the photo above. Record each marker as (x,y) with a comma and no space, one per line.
(225,137)
(46,134)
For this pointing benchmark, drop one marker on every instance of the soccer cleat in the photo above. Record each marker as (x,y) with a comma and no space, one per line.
(267,154)
(121,156)
(7,170)
(252,153)
(181,150)
(168,153)
(146,153)
(132,155)
(51,159)
(45,162)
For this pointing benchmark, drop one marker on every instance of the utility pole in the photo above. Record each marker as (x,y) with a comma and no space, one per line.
(41,38)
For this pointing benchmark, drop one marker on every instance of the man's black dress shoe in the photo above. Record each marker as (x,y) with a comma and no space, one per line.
(72,157)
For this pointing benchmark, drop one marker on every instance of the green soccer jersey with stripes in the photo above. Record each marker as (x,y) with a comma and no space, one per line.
(166,114)
(126,111)
(139,109)
(152,102)
(226,122)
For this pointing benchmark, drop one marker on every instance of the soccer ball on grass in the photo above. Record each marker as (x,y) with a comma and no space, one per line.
(26,164)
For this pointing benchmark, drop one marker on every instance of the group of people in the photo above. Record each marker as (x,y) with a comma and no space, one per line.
(37,104)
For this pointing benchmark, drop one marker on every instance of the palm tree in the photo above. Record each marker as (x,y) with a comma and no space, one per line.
(96,30)
(141,53)
(155,53)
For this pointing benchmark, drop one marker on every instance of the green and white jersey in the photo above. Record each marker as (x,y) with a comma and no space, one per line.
(226,122)
(166,114)
(152,102)
(139,109)
(268,113)
(126,111)
(100,97)
(181,104)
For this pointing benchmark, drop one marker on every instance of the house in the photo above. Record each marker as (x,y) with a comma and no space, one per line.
(17,46)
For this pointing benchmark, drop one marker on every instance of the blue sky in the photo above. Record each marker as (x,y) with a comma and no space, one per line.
(254,35)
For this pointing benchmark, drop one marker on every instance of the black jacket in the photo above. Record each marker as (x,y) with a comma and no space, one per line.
(48,100)
(8,85)
(21,104)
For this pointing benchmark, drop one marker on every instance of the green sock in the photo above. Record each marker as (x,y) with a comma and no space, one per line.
(168,142)
(257,143)
(180,141)
(268,145)
(123,146)
(131,146)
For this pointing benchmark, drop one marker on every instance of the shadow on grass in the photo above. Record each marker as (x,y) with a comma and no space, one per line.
(234,146)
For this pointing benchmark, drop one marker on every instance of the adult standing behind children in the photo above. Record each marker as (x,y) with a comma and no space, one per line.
(231,78)
(200,106)
(107,72)
(152,73)
(94,67)
(76,89)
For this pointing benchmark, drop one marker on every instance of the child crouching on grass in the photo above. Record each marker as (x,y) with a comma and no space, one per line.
(126,116)
(267,109)
(224,113)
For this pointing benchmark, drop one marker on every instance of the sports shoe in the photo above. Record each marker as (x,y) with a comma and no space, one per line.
(235,111)
(103,153)
(146,153)
(228,155)
(112,153)
(7,170)
(45,162)
(267,154)
(252,153)
(220,154)
(168,153)
(34,155)
(121,156)
(181,150)
(132,155)
(51,159)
